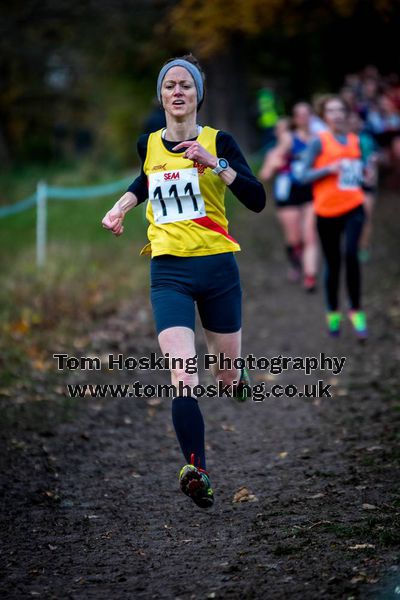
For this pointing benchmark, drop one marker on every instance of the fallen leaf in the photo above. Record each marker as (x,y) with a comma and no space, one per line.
(80,343)
(154,401)
(39,364)
(357,579)
(342,391)
(244,495)
(18,444)
(58,389)
(367,506)
(5,392)
(266,377)
(22,327)
(282,454)
(227,427)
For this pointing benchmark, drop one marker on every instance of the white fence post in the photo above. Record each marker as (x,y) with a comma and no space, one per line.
(41,223)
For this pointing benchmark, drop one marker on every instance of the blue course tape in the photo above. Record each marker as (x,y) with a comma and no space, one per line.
(12,209)
(62,193)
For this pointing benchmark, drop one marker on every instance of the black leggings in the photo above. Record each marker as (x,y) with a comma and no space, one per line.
(330,230)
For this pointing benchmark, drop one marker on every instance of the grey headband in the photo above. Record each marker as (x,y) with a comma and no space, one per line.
(193,70)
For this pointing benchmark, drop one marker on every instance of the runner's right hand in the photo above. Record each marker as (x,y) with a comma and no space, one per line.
(113,221)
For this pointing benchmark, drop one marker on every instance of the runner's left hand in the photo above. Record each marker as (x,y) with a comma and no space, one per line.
(195,151)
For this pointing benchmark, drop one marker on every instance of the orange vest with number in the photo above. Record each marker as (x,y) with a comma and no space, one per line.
(330,200)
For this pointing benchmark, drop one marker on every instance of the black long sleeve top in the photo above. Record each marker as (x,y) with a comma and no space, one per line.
(246,187)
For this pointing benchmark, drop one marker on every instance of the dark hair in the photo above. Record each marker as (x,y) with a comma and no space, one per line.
(296,106)
(291,119)
(329,98)
(193,60)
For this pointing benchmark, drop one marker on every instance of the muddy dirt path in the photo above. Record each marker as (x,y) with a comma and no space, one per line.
(90,503)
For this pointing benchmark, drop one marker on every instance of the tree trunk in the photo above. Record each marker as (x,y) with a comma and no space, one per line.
(226,104)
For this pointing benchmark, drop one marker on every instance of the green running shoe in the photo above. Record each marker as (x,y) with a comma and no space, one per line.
(243,386)
(359,322)
(195,483)
(334,320)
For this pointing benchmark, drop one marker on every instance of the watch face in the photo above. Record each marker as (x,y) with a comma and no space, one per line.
(223,164)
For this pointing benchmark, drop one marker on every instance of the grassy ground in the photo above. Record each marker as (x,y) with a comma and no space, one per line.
(87,272)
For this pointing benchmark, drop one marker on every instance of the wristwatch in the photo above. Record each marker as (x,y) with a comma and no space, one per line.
(222,165)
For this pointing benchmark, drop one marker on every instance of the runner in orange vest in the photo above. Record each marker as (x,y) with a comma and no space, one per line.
(333,163)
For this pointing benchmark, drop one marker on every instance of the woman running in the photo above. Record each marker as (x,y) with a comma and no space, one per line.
(333,162)
(293,200)
(185,171)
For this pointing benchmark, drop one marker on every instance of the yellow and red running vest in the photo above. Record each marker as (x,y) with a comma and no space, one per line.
(186,206)
(338,193)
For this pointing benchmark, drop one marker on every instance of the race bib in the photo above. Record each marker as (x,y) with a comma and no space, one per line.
(282,187)
(350,174)
(297,169)
(175,195)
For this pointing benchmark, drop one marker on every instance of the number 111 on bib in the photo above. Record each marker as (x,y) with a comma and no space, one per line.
(176,196)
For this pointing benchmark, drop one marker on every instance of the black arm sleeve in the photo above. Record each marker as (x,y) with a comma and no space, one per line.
(139,186)
(247,189)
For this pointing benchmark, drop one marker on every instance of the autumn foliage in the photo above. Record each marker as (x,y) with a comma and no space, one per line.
(208,25)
